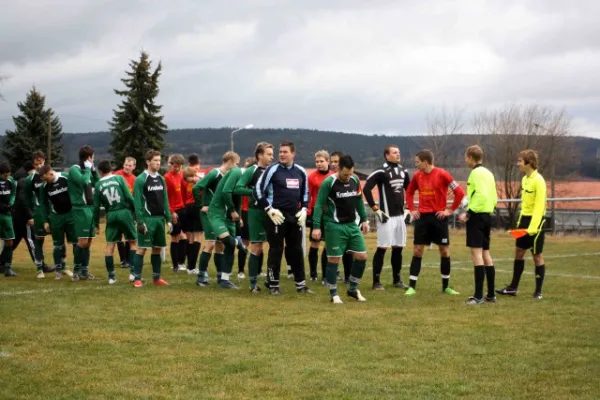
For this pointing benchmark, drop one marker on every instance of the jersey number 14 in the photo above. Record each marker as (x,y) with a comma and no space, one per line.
(112,195)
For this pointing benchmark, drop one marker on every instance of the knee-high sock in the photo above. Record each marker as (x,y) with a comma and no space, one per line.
(156,262)
(219,265)
(183,245)
(76,259)
(175,254)
(242,255)
(109,261)
(84,252)
(38,250)
(57,254)
(415,270)
(378,264)
(490,276)
(203,266)
(445,271)
(228,255)
(347,262)
(479,278)
(7,255)
(313,256)
(262,260)
(358,269)
(193,250)
(253,266)
(396,263)
(540,273)
(324,259)
(130,259)
(332,278)
(518,267)
(123,256)
(138,264)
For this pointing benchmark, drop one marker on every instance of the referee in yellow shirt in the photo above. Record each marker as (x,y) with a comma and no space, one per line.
(532,218)
(476,211)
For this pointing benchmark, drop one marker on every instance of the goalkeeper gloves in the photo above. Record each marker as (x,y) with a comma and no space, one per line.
(381,216)
(275,215)
(142,228)
(301,216)
(169,227)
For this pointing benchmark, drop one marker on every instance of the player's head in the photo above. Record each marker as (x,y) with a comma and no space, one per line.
(287,152)
(230,159)
(391,152)
(263,153)
(86,153)
(176,162)
(335,160)
(193,160)
(153,160)
(28,166)
(249,161)
(104,167)
(129,165)
(4,170)
(190,175)
(47,173)
(473,155)
(424,160)
(527,161)
(346,168)
(322,160)
(38,158)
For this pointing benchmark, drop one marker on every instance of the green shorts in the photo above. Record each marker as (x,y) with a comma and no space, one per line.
(38,223)
(220,224)
(341,238)
(7,231)
(256,225)
(155,236)
(209,233)
(61,225)
(120,223)
(83,220)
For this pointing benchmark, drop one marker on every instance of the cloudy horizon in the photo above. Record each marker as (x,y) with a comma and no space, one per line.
(353,66)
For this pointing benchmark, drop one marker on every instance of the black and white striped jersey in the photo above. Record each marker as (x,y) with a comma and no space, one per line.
(391,180)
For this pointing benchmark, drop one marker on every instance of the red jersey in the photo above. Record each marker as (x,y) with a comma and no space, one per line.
(187,194)
(433,191)
(175,184)
(315,179)
(129,179)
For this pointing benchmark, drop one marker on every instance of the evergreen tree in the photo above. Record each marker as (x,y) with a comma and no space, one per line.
(31,132)
(137,126)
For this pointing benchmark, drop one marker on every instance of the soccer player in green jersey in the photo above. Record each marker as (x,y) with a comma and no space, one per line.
(112,193)
(532,218)
(204,191)
(151,211)
(338,202)
(8,192)
(256,215)
(476,210)
(82,177)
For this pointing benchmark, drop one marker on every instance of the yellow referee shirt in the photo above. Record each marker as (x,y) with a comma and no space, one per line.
(533,196)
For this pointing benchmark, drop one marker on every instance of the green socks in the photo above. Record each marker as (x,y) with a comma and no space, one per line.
(253,267)
(357,271)
(110,266)
(38,253)
(138,263)
(331,272)
(156,263)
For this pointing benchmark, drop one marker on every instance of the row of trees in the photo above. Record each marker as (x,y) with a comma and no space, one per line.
(136,124)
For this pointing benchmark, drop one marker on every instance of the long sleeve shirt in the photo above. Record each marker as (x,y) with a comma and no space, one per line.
(339,202)
(150,197)
(315,179)
(81,183)
(282,187)
(391,180)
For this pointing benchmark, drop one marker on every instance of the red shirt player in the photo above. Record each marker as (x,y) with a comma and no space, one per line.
(431,219)
(175,184)
(127,172)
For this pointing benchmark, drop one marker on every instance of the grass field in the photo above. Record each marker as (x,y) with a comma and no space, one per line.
(65,340)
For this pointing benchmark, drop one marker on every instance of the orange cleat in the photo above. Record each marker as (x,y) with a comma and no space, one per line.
(161,282)
(138,283)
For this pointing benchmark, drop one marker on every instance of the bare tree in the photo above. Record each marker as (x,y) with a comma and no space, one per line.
(440,125)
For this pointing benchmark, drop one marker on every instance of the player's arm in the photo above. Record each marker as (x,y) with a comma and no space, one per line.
(13,192)
(304,189)
(97,204)
(166,207)
(201,185)
(27,194)
(260,190)
(406,179)
(80,176)
(232,177)
(372,181)
(126,193)
(410,194)
(539,207)
(359,203)
(138,199)
(322,199)
(241,187)
(44,203)
(459,193)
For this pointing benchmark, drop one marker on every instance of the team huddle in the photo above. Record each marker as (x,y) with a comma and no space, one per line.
(265,201)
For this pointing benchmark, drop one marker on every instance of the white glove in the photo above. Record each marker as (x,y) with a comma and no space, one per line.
(381,216)
(276,216)
(88,164)
(301,215)
(169,227)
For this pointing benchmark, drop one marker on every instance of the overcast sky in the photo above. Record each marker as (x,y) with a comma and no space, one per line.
(358,66)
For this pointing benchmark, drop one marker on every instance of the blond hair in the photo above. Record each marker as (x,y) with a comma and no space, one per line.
(475,152)
(322,153)
(230,156)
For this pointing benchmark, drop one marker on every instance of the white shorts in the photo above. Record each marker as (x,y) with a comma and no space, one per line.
(392,233)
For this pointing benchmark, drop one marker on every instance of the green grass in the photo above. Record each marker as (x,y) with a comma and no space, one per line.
(65,340)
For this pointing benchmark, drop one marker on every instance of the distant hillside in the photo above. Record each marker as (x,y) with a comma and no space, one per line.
(211,143)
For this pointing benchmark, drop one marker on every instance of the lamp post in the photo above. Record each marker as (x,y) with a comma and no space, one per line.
(249,126)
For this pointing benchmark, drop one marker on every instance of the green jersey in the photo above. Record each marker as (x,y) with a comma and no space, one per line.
(481,190)
(247,182)
(112,193)
(31,191)
(150,196)
(205,188)
(81,183)
(339,202)
(223,199)
(8,192)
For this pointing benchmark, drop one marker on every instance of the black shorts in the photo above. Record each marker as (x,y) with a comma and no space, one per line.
(244,231)
(191,221)
(177,228)
(479,227)
(429,229)
(535,242)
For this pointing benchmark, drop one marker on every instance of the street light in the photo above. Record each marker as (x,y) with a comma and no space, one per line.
(249,126)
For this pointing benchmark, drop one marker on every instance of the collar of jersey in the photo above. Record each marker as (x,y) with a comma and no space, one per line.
(533,174)
(154,175)
(106,177)
(286,167)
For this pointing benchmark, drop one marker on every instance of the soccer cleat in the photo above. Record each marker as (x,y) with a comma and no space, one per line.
(58,276)
(227,284)
(451,291)
(48,269)
(202,283)
(9,273)
(262,275)
(490,299)
(241,275)
(75,278)
(40,275)
(507,291)
(410,292)
(256,289)
(138,283)
(290,276)
(355,294)
(378,286)
(88,276)
(182,268)
(68,272)
(160,282)
(537,296)
(131,278)
(112,281)
(125,264)
(275,291)
(324,282)
(339,278)
(304,290)
(473,301)
(314,278)
(194,271)
(336,300)
(400,285)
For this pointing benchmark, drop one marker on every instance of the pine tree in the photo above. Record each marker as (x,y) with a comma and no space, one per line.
(137,126)
(31,132)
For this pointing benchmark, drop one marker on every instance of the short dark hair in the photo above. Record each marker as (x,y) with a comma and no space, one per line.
(28,165)
(104,166)
(193,159)
(44,170)
(425,155)
(85,152)
(346,162)
(288,143)
(150,154)
(337,153)
(4,167)
(386,149)
(37,155)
